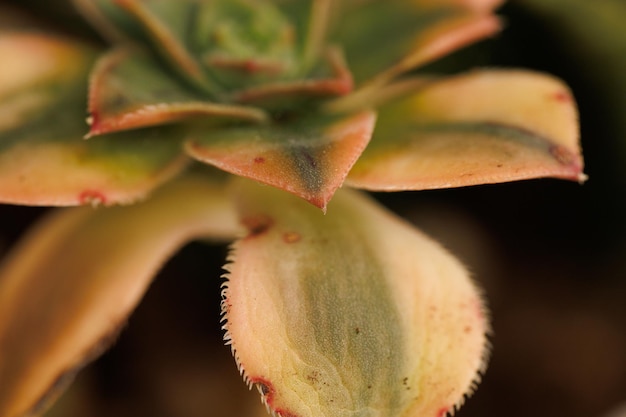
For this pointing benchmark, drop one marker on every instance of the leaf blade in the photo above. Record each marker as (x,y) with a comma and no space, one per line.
(475,128)
(310,158)
(415,34)
(59,311)
(363,332)
(43,157)
(128,91)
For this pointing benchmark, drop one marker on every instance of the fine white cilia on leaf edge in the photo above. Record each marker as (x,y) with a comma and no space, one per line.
(397,328)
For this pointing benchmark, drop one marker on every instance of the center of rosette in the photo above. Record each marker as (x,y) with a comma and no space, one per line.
(244,43)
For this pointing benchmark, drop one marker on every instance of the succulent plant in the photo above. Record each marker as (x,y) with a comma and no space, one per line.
(332,305)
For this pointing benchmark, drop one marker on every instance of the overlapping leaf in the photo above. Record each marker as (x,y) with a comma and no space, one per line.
(128,90)
(208,43)
(476,128)
(349,313)
(309,158)
(335,79)
(414,34)
(43,158)
(68,288)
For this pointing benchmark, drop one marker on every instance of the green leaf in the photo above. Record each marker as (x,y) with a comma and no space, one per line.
(439,40)
(317,31)
(160,23)
(309,158)
(288,95)
(243,42)
(215,45)
(67,289)
(128,90)
(387,38)
(113,23)
(44,159)
(475,128)
(352,313)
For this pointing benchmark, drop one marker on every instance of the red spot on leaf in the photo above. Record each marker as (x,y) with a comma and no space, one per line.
(92,197)
(259,160)
(258,224)
(442,412)
(265,388)
(291,237)
(562,96)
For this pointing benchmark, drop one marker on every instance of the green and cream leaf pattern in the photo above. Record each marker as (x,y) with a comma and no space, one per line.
(475,128)
(353,313)
(44,159)
(310,158)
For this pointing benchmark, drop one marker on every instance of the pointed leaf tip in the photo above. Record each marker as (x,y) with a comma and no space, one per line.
(43,158)
(475,128)
(310,158)
(351,313)
(128,91)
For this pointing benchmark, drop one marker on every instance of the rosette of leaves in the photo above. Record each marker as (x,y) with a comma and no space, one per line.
(332,308)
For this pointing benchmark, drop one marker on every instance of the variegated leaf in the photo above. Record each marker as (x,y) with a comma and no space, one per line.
(475,128)
(128,90)
(66,290)
(352,313)
(309,158)
(44,159)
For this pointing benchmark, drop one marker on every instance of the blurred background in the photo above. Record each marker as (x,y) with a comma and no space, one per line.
(550,255)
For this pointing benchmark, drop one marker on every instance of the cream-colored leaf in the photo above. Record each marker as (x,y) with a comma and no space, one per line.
(476,128)
(43,157)
(354,313)
(66,290)
(33,60)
